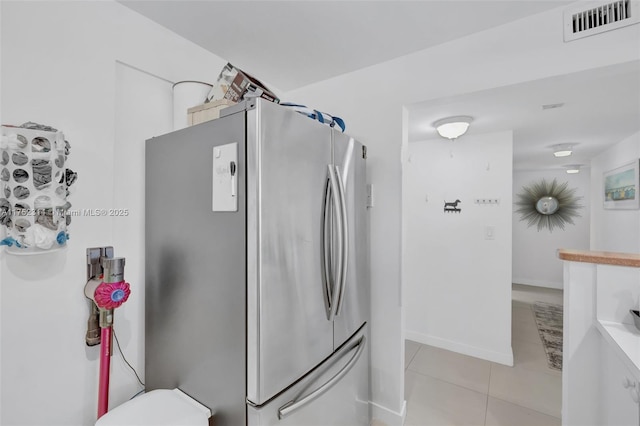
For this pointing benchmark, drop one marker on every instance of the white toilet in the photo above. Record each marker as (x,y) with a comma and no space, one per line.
(160,407)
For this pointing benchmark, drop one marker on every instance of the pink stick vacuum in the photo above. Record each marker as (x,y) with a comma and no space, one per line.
(112,292)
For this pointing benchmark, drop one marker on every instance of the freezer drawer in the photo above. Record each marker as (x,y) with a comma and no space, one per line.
(335,393)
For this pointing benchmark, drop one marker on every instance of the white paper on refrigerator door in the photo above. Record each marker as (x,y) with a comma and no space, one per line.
(225,178)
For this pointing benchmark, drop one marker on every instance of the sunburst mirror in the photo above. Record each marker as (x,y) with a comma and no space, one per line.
(548,204)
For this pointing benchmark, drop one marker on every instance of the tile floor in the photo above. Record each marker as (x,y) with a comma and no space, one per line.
(444,388)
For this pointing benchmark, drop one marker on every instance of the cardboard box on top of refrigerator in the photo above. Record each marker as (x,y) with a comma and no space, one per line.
(234,84)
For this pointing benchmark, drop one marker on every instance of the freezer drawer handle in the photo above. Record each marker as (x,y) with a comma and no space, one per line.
(292,406)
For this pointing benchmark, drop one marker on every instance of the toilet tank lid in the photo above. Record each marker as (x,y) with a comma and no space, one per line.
(160,407)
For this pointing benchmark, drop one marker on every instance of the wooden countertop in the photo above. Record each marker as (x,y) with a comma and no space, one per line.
(601,257)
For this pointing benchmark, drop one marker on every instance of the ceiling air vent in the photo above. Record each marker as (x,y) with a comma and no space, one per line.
(589,18)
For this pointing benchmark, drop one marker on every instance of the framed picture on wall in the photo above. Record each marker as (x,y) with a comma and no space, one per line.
(621,187)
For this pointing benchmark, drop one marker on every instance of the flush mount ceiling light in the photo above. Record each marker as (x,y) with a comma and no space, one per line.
(562,150)
(573,168)
(453,127)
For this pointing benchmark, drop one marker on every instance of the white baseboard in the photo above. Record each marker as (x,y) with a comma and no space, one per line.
(539,283)
(383,416)
(505,358)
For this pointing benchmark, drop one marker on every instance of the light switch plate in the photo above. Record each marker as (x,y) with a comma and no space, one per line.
(225,178)
(369,195)
(489,232)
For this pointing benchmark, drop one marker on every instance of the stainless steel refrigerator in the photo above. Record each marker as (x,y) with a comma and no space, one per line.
(257,288)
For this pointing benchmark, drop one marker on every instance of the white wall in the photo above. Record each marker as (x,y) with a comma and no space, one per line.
(614,230)
(59,68)
(371,101)
(135,121)
(535,261)
(458,282)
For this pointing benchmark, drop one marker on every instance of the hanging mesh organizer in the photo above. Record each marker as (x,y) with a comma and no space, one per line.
(34,185)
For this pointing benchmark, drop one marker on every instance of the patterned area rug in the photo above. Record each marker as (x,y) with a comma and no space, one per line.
(549,321)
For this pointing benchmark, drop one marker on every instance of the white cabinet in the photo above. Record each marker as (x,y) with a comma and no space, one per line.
(619,391)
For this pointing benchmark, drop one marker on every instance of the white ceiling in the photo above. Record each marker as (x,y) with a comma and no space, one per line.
(601,107)
(290,44)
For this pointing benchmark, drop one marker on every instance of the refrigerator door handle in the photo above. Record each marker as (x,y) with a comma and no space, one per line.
(326,250)
(334,178)
(294,405)
(344,242)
